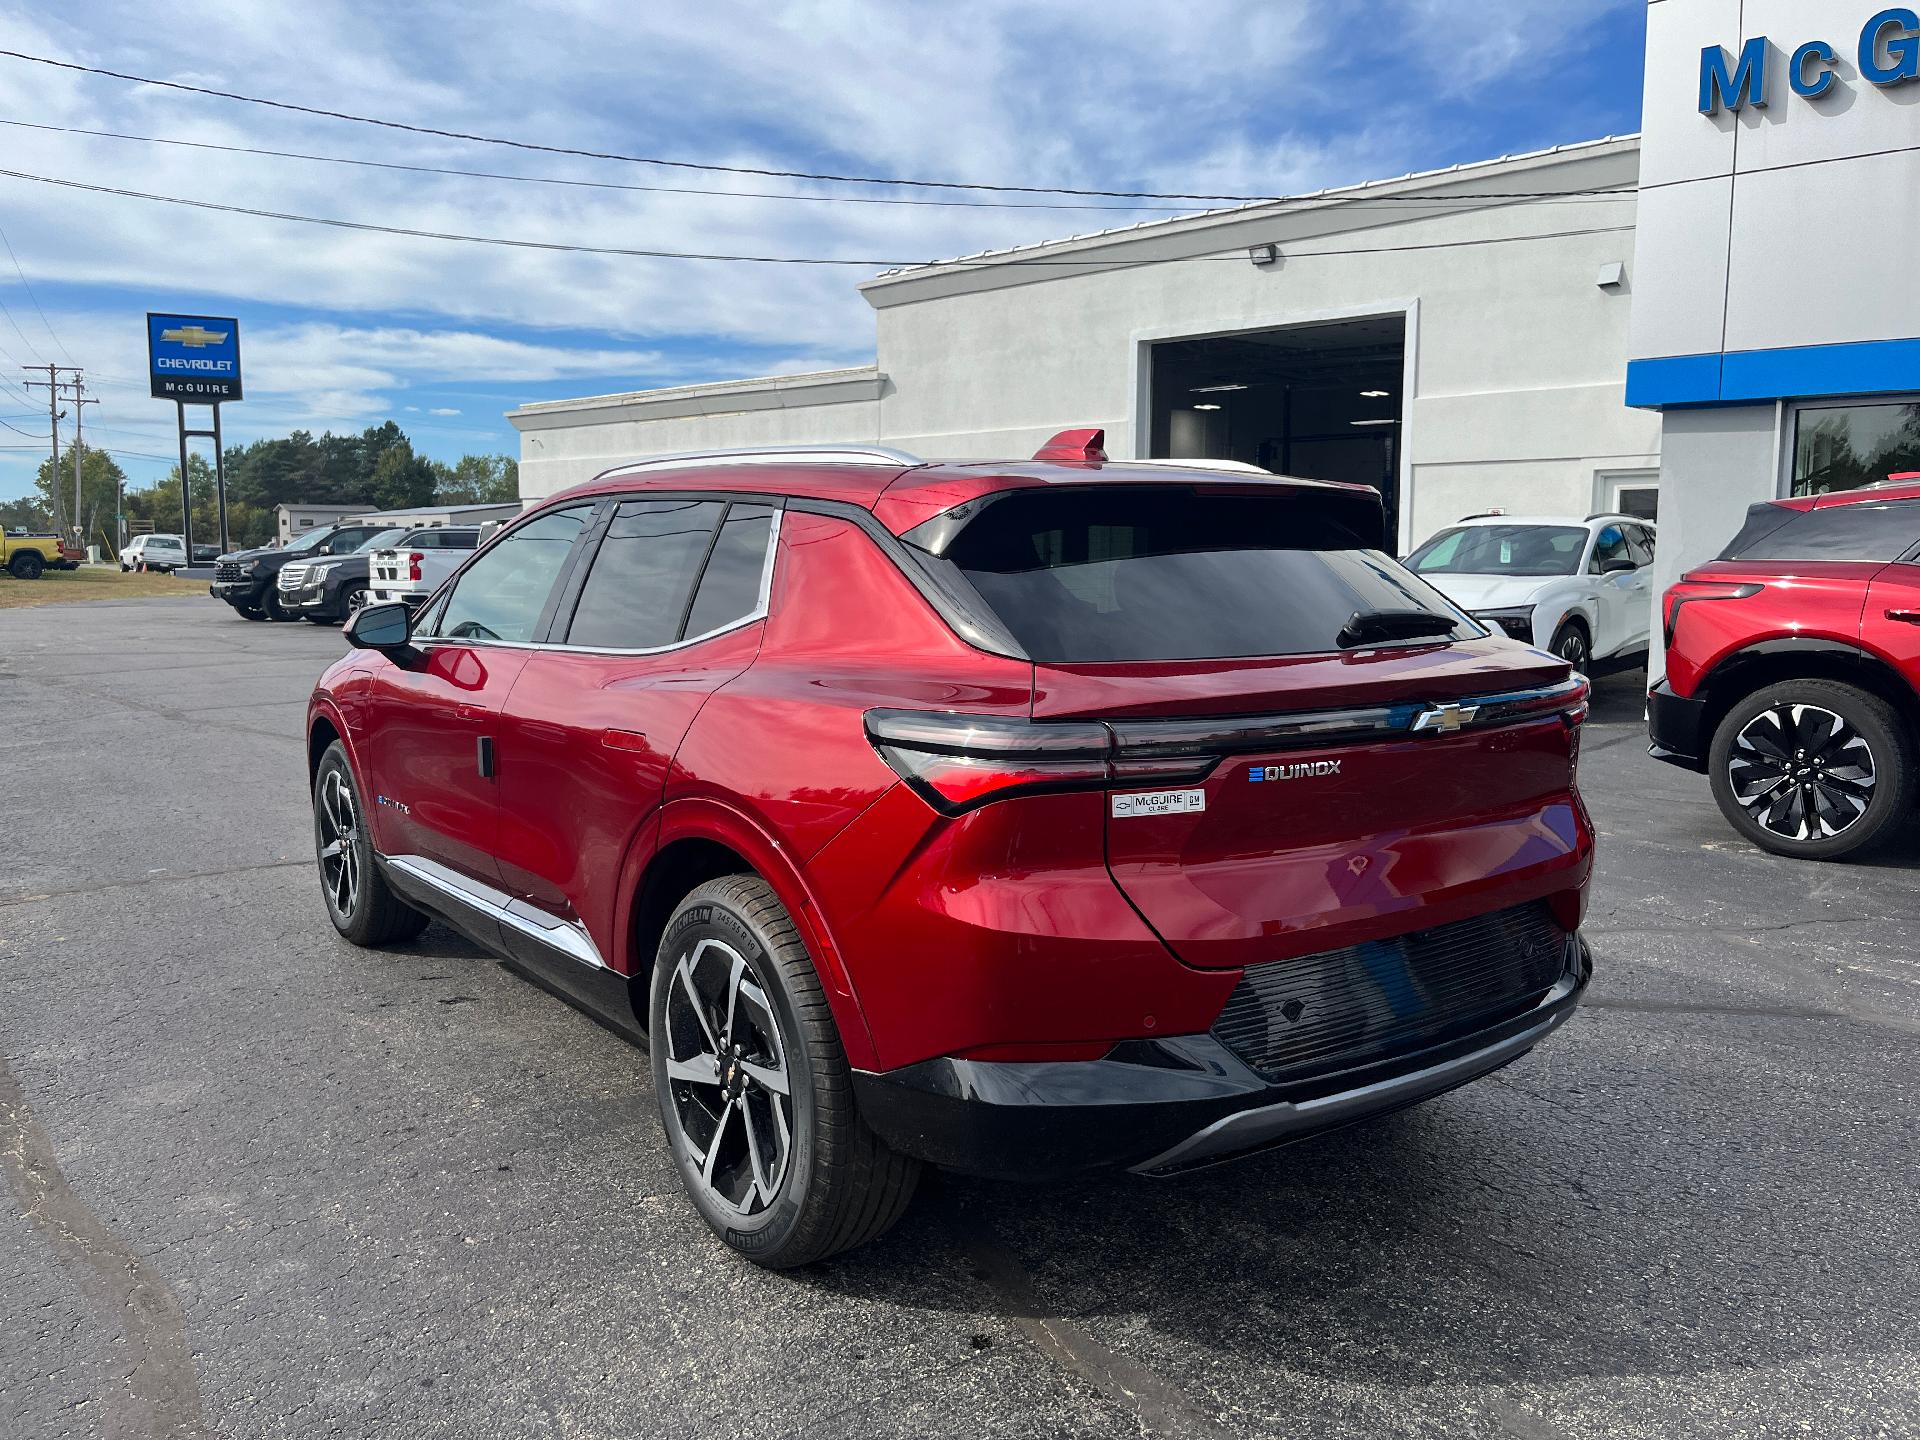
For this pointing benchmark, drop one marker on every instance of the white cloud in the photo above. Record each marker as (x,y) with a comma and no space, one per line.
(442,410)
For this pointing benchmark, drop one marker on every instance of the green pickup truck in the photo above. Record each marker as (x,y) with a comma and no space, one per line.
(25,556)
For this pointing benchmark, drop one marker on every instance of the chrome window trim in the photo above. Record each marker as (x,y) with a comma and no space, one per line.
(752,617)
(564,937)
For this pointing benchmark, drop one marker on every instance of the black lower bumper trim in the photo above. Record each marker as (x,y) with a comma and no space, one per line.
(1167,1105)
(1676,729)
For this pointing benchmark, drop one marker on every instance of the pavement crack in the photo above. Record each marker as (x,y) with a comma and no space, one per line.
(1161,1407)
(161,1397)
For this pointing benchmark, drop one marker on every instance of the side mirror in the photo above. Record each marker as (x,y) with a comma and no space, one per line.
(1616,565)
(380,627)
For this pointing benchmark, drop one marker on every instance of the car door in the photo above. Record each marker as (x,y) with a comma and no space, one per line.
(1639,615)
(1890,621)
(1612,589)
(428,736)
(661,615)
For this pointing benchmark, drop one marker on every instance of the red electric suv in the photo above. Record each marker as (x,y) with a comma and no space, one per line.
(1793,671)
(1014,818)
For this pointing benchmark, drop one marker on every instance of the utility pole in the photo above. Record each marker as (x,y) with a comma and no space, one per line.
(53,385)
(80,402)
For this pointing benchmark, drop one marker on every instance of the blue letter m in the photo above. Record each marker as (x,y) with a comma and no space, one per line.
(1747,85)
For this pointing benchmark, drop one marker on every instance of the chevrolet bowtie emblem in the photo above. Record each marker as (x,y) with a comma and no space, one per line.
(194,336)
(1445,718)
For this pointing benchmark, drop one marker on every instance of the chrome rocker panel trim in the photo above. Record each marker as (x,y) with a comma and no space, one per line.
(563,937)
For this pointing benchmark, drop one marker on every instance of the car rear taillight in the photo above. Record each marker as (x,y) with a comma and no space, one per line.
(413,565)
(1684,592)
(959,762)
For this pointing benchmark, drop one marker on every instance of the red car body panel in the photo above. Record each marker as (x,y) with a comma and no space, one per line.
(1803,599)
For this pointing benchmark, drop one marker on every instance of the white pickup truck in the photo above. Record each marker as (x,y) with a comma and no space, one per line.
(414,569)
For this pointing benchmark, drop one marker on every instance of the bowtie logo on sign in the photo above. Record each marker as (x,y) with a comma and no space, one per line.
(1888,54)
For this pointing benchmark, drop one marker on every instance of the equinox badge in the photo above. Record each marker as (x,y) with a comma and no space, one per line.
(1293,772)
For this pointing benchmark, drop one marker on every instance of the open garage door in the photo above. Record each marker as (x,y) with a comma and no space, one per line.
(1322,401)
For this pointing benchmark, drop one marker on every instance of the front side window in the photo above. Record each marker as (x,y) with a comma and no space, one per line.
(503,593)
(1501,550)
(1106,575)
(1842,447)
(1610,547)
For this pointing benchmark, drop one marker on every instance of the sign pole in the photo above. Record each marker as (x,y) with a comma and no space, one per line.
(186,489)
(220,477)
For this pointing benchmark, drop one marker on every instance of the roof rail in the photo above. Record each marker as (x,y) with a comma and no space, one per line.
(776,455)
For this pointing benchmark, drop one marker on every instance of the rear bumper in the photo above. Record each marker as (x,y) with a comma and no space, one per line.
(1162,1106)
(1677,729)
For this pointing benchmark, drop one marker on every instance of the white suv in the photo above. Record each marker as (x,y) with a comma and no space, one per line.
(156,552)
(1580,588)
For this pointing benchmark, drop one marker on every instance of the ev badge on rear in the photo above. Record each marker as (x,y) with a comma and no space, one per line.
(1159,802)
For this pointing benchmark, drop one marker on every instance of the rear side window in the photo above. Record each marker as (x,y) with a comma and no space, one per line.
(1100,575)
(730,585)
(636,593)
(1860,531)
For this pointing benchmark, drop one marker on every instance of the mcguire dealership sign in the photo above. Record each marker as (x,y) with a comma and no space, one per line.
(1887,52)
(195,358)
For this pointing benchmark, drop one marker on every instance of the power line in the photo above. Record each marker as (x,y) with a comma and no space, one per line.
(31,296)
(652,254)
(1581,197)
(18,431)
(635,159)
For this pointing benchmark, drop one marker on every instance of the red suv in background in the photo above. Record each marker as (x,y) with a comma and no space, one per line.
(1015,818)
(1793,671)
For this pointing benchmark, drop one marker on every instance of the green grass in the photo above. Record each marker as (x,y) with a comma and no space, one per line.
(56,587)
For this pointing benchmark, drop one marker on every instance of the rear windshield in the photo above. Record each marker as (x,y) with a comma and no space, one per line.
(1096,575)
(1502,550)
(1864,530)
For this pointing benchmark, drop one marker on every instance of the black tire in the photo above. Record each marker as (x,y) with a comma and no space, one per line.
(1573,644)
(364,910)
(27,565)
(837,1185)
(272,607)
(1863,765)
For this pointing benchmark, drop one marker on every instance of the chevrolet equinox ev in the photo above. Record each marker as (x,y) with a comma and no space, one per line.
(1010,818)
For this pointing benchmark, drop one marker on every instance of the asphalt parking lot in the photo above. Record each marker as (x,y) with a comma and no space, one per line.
(265,1184)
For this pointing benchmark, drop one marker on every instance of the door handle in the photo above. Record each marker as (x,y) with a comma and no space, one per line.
(1906,617)
(483,756)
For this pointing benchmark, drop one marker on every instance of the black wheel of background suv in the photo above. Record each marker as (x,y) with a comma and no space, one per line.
(754,1087)
(27,565)
(1571,644)
(359,902)
(1814,769)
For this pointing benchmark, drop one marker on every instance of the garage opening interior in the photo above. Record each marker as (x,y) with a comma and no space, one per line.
(1320,401)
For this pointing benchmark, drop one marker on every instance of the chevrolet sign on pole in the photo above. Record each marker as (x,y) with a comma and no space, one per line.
(195,358)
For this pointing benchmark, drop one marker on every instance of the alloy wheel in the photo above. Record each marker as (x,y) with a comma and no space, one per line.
(1801,772)
(726,1063)
(1573,649)
(339,847)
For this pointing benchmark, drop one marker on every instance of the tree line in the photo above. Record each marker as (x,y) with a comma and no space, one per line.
(378,468)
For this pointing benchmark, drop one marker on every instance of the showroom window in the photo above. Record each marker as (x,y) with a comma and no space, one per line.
(1842,447)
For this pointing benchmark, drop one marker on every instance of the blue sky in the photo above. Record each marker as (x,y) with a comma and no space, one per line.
(341,330)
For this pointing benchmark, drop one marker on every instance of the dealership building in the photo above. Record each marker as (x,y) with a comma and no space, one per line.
(1721,310)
